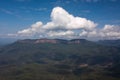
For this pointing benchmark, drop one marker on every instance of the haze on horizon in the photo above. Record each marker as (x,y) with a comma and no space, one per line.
(88,19)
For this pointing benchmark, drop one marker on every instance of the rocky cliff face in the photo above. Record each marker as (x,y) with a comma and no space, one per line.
(46,41)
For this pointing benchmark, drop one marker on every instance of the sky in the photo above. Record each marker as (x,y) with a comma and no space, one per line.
(66,19)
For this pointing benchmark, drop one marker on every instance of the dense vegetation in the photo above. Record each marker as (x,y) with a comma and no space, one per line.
(60,61)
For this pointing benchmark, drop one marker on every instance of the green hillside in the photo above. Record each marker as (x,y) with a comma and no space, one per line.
(76,59)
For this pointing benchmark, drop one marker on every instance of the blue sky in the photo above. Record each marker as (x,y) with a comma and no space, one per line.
(18,15)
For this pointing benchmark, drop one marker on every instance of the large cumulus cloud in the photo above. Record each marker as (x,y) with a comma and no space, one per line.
(61,19)
(65,25)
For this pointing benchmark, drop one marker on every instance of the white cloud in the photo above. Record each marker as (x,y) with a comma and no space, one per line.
(111,31)
(61,34)
(62,19)
(35,28)
(65,25)
(107,32)
(62,24)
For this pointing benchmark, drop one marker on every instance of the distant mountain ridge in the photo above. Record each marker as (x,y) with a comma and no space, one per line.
(6,41)
(53,41)
(110,42)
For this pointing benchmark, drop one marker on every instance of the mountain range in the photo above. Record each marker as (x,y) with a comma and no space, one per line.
(59,59)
